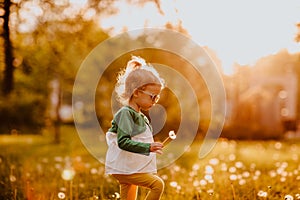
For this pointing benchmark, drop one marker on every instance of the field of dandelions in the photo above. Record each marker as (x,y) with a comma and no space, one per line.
(33,168)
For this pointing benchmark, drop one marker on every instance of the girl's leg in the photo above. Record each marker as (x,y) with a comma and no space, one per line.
(132,192)
(150,181)
(127,191)
(156,186)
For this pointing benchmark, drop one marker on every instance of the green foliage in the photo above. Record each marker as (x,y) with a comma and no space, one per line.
(21,113)
(46,54)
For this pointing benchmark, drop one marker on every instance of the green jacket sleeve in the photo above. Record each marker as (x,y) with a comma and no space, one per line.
(126,122)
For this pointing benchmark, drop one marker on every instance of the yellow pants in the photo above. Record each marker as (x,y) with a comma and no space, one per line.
(129,183)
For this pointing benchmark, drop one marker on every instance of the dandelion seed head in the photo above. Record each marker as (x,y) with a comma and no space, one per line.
(233,177)
(94,171)
(87,165)
(224,144)
(61,195)
(208,177)
(203,182)
(272,173)
(176,168)
(68,174)
(282,179)
(262,193)
(278,145)
(78,158)
(297,196)
(242,182)
(257,173)
(210,191)
(239,164)
(192,173)
(63,189)
(277,164)
(196,183)
(279,170)
(284,164)
(269,187)
(284,173)
(246,174)
(172,135)
(57,166)
(12,178)
(288,197)
(196,167)
(252,166)
(232,169)
(117,195)
(214,161)
(209,169)
(173,184)
(232,157)
(224,167)
(164,177)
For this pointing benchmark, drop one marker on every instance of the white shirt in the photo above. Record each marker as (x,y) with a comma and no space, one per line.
(119,161)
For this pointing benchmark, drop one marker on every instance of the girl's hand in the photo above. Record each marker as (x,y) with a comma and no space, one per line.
(156,147)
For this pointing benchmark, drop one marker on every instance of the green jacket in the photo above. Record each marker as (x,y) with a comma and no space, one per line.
(128,123)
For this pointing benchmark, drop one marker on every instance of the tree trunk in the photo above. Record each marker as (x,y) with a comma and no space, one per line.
(9,68)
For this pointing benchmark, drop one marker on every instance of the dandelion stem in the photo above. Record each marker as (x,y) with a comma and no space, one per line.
(233,191)
(165,140)
(71,189)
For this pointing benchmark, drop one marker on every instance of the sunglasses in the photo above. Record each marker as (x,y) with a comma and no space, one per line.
(154,97)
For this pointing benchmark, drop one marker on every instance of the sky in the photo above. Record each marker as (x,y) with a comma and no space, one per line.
(238,31)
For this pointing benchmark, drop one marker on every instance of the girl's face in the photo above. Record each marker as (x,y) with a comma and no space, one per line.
(148,96)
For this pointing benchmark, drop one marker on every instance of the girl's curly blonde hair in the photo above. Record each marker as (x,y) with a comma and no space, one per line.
(137,74)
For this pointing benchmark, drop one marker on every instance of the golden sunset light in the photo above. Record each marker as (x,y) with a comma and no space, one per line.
(150,99)
(238,31)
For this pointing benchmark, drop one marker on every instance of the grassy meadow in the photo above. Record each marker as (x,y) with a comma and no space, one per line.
(32,167)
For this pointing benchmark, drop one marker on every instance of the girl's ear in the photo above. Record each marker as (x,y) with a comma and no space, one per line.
(135,93)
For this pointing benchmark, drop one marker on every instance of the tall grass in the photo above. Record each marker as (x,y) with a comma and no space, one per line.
(33,167)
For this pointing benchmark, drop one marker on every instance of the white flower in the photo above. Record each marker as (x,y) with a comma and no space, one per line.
(172,135)
(61,195)
(262,193)
(288,197)
(214,161)
(173,184)
(68,174)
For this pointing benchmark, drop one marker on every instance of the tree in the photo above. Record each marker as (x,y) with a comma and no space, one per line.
(9,68)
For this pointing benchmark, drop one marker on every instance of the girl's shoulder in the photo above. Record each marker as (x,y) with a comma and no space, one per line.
(127,111)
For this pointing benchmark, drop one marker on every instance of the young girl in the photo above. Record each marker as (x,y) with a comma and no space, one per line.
(131,154)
